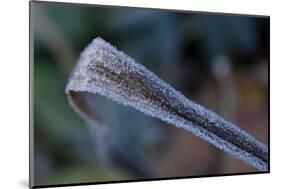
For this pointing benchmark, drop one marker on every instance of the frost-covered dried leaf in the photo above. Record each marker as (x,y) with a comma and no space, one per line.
(104,70)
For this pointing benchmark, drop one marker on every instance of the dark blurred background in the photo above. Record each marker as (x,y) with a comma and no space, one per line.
(220,61)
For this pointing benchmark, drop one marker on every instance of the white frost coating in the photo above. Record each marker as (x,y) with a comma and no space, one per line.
(104,70)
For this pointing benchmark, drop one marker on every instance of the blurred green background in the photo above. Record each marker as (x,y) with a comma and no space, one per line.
(220,61)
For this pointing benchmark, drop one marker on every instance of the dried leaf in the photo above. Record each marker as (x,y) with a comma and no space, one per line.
(104,70)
